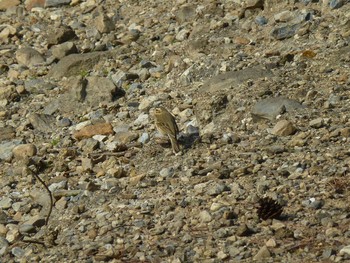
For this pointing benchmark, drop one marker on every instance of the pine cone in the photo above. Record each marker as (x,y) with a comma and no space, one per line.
(269,208)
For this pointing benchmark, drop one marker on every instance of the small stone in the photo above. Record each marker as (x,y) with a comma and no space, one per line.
(283,128)
(262,253)
(216,206)
(142,120)
(117,172)
(327,253)
(252,4)
(37,221)
(61,204)
(144,138)
(126,137)
(182,35)
(222,255)
(6,4)
(27,229)
(18,252)
(3,244)
(185,13)
(109,183)
(167,172)
(217,189)
(284,32)
(55,3)
(24,151)
(313,203)
(345,132)
(13,235)
(317,123)
(64,49)
(7,133)
(147,64)
(271,242)
(3,231)
(91,130)
(5,202)
(283,16)
(147,103)
(103,23)
(86,163)
(334,4)
(241,41)
(261,20)
(42,122)
(345,250)
(205,216)
(29,57)
(243,230)
(64,122)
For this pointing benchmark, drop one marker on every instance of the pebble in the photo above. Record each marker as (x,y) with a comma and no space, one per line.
(283,128)
(270,108)
(24,151)
(6,149)
(5,202)
(205,216)
(29,57)
(12,235)
(345,250)
(335,4)
(91,130)
(317,123)
(167,172)
(284,32)
(261,20)
(144,138)
(263,253)
(4,244)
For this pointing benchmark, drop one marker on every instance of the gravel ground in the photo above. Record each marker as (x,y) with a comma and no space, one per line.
(260,92)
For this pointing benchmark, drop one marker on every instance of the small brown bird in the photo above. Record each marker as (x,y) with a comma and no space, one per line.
(166,125)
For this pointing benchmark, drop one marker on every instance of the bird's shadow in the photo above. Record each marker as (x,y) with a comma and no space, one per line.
(187,140)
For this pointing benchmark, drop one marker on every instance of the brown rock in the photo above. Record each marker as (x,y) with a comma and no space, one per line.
(5,4)
(34,3)
(29,56)
(37,221)
(91,130)
(103,23)
(262,254)
(64,49)
(7,133)
(24,151)
(283,128)
(345,132)
(61,204)
(241,41)
(60,35)
(126,137)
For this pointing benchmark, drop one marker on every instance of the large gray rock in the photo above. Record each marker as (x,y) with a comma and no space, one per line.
(83,93)
(271,107)
(6,149)
(60,35)
(7,133)
(28,56)
(212,100)
(231,79)
(75,64)
(42,122)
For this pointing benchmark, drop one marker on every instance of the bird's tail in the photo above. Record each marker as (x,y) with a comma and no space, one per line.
(174,144)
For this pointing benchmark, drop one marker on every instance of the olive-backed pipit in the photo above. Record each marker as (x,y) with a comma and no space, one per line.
(166,125)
